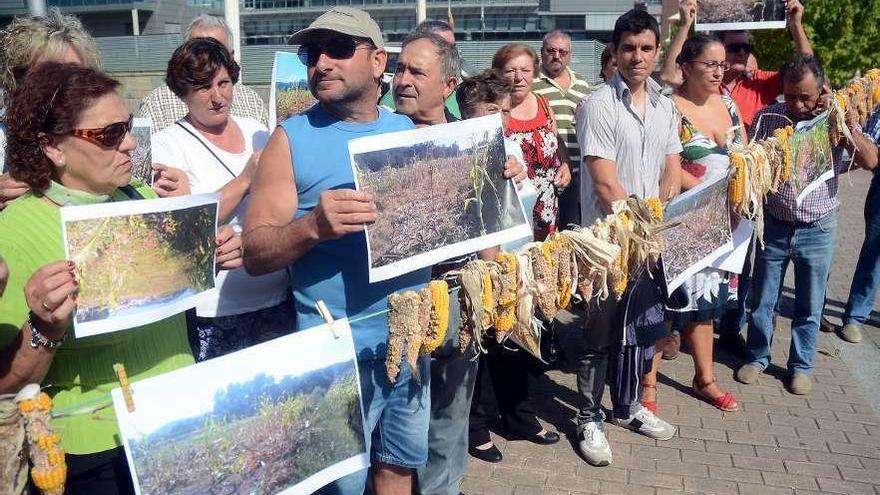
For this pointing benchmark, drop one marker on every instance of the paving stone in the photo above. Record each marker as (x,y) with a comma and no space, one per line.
(848,487)
(758,463)
(542,490)
(683,468)
(812,469)
(751,438)
(714,486)
(519,476)
(789,480)
(610,488)
(572,483)
(837,459)
(730,448)
(863,439)
(655,479)
(751,489)
(684,444)
(781,453)
(854,449)
(734,474)
(701,433)
(711,459)
(486,486)
(808,443)
(607,473)
(656,453)
(863,475)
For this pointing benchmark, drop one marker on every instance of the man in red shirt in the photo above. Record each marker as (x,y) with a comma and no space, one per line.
(752,90)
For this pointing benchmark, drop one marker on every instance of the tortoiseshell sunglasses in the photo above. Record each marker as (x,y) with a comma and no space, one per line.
(109,137)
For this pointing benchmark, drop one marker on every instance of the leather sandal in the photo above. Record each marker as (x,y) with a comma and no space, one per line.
(650,405)
(726,402)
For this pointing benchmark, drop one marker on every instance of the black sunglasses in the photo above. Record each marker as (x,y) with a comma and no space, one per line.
(740,47)
(337,47)
(110,136)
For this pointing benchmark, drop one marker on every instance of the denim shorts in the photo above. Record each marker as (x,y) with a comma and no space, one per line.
(397,414)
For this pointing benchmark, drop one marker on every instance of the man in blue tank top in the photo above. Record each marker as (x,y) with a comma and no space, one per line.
(305,214)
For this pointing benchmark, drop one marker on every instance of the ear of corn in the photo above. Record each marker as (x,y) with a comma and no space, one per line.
(506,282)
(49,471)
(439,296)
(403,319)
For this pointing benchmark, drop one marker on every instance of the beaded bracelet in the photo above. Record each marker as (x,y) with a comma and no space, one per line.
(38,339)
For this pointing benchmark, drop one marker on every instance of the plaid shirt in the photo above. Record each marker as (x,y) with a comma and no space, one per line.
(165,108)
(872,126)
(782,204)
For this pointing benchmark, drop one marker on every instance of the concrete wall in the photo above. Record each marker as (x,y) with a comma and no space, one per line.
(137,85)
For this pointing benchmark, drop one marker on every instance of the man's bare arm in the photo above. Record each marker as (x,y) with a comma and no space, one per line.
(605,182)
(670,181)
(272,238)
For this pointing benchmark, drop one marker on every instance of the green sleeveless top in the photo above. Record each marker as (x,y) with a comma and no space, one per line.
(81,375)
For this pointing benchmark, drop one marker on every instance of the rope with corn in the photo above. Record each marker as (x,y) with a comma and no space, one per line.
(49,470)
(762,166)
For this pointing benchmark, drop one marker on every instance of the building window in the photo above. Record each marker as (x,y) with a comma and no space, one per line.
(571,22)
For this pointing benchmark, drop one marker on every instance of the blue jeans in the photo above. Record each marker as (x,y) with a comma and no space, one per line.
(866,278)
(810,247)
(396,415)
(453,374)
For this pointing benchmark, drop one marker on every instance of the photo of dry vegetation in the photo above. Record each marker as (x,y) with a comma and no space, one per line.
(262,436)
(291,86)
(729,11)
(434,194)
(129,262)
(810,154)
(703,226)
(141,156)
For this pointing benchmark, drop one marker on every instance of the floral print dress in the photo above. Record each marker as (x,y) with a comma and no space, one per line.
(539,145)
(709,290)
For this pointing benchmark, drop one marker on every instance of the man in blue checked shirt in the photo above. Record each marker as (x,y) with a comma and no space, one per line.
(802,234)
(866,278)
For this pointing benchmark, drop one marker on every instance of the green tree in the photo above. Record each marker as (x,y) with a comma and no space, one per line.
(845,35)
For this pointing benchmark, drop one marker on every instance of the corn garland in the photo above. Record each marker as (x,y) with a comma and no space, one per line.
(49,471)
(545,277)
(564,279)
(507,284)
(439,297)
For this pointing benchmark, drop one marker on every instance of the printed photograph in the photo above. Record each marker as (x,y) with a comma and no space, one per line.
(290,93)
(288,420)
(135,267)
(141,158)
(812,162)
(440,192)
(701,235)
(717,15)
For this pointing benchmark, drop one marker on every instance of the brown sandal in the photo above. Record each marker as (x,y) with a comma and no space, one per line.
(726,402)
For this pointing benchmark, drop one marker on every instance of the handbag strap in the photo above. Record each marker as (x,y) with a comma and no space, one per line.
(191,133)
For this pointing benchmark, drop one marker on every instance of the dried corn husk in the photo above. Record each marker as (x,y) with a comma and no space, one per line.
(545,274)
(49,471)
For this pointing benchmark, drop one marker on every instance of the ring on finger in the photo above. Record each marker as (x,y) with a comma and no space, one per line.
(46,306)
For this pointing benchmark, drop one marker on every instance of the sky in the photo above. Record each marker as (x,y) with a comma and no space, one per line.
(288,67)
(190,391)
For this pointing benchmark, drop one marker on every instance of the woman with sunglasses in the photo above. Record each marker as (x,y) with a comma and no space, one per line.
(219,152)
(69,141)
(709,122)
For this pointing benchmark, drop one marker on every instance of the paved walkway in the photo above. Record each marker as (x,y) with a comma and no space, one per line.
(778,443)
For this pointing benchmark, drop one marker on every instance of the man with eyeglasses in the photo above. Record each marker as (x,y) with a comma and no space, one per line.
(751,89)
(564,89)
(305,214)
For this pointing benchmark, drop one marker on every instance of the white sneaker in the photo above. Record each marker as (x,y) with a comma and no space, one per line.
(594,446)
(646,423)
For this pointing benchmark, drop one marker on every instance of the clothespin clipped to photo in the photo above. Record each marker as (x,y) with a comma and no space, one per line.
(328,318)
(119,368)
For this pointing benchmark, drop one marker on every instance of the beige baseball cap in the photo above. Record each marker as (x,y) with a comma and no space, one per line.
(345,20)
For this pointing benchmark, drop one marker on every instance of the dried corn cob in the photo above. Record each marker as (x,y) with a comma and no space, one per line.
(49,471)
(403,316)
(737,187)
(505,310)
(656,208)
(564,281)
(439,294)
(418,320)
(545,278)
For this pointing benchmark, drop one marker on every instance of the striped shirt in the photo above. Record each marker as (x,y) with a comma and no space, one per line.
(165,108)
(609,127)
(563,103)
(782,204)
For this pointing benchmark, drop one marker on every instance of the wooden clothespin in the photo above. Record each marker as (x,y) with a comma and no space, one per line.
(119,368)
(328,318)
